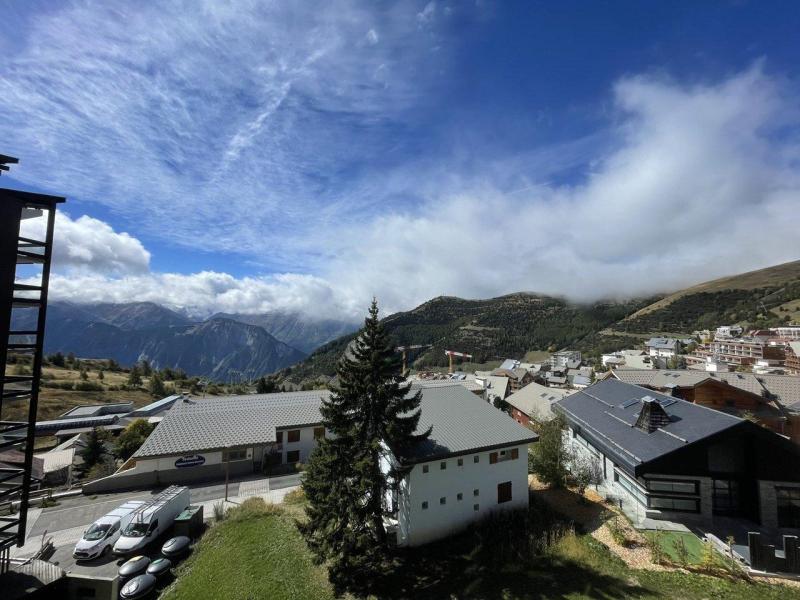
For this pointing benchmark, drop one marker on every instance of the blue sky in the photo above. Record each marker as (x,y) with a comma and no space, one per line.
(304,156)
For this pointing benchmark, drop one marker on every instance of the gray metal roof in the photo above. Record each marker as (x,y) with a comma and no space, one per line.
(97,410)
(155,407)
(230,421)
(535,400)
(661,342)
(462,423)
(786,388)
(606,413)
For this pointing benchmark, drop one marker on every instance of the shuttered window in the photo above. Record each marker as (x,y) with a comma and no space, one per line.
(492,458)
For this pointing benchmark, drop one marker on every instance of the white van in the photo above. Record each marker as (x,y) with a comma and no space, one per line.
(151,520)
(99,538)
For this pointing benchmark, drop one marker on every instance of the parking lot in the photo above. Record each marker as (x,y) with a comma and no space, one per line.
(65,523)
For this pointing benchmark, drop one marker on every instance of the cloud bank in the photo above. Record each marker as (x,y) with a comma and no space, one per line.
(701,181)
(273,131)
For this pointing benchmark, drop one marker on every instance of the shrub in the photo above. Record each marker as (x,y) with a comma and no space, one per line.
(87,386)
(219,511)
(617,530)
(656,551)
(681,551)
(297,496)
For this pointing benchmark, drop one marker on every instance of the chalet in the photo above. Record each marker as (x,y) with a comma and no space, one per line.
(665,458)
(517,377)
(663,347)
(765,398)
(534,403)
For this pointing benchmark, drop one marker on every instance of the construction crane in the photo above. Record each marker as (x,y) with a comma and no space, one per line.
(405,350)
(451,354)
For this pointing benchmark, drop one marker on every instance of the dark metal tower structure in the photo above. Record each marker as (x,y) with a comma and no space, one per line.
(24,276)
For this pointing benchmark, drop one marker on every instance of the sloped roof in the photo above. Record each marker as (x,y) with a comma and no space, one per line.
(462,423)
(230,421)
(606,414)
(786,388)
(155,407)
(661,342)
(535,400)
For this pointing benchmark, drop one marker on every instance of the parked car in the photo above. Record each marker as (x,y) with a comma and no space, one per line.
(101,535)
(148,522)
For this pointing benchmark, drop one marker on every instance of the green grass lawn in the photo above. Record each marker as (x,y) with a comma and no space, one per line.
(261,555)
(251,557)
(668,540)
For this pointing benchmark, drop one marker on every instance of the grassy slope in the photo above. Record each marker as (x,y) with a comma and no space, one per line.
(263,556)
(769,277)
(256,557)
(54,402)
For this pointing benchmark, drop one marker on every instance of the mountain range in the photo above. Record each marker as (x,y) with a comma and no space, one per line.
(232,346)
(512,325)
(222,347)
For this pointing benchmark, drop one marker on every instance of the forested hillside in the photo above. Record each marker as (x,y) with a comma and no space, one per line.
(758,299)
(488,329)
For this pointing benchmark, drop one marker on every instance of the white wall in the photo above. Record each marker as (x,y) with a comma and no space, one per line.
(418,526)
(306,444)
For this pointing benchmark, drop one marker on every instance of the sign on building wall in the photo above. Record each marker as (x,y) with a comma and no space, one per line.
(193,460)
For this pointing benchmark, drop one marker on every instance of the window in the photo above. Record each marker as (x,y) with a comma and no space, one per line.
(231,455)
(788,506)
(476,492)
(293,456)
(279,437)
(725,497)
(442,500)
(476,507)
(424,468)
(459,496)
(293,436)
(503,455)
(319,432)
(476,459)
(425,505)
(153,527)
(504,492)
(460,462)
(677,487)
(676,504)
(631,488)
(443,465)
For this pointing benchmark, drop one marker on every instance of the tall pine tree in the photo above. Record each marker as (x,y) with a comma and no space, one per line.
(370,410)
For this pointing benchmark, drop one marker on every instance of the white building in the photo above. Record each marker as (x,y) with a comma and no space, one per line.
(565,359)
(474,462)
(662,347)
(791,333)
(728,331)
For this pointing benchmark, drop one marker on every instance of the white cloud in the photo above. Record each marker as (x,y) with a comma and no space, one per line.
(90,245)
(235,119)
(239,145)
(427,14)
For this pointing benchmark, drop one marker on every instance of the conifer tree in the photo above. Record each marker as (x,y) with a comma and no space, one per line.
(370,410)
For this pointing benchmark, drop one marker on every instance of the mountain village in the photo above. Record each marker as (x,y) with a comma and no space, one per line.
(681,438)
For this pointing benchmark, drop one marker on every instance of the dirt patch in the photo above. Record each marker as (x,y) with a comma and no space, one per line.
(587,513)
(635,554)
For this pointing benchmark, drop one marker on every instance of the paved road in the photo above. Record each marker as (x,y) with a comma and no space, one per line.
(80,511)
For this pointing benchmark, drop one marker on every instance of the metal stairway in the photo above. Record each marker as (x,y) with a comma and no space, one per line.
(24,275)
